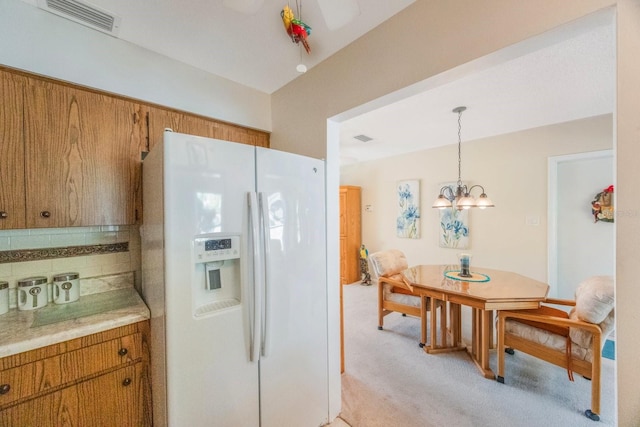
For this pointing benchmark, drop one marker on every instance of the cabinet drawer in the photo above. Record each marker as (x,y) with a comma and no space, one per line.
(112,399)
(50,373)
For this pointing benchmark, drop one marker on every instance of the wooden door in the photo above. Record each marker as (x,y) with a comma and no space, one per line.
(350,234)
(82,157)
(12,188)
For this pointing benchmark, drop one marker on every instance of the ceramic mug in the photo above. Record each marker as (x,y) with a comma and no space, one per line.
(66,288)
(32,293)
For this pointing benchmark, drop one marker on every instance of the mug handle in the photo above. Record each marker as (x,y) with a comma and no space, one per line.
(22,298)
(56,292)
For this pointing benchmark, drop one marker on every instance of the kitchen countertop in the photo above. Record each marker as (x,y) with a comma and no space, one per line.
(27,330)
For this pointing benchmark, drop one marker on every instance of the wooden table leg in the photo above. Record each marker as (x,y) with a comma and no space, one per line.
(482,329)
(434,336)
(456,323)
(443,324)
(456,333)
(423,321)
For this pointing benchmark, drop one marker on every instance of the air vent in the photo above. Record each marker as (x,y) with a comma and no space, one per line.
(363,138)
(83,13)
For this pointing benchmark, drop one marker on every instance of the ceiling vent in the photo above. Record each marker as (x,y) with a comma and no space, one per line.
(83,13)
(363,138)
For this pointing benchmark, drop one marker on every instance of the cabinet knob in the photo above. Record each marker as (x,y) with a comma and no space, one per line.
(4,388)
(3,215)
(123,352)
(126,382)
(45,214)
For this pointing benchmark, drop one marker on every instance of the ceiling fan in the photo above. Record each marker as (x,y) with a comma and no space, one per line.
(336,13)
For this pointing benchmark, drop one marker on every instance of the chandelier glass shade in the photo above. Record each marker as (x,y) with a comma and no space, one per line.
(461,198)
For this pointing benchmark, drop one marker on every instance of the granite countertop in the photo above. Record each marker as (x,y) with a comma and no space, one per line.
(27,330)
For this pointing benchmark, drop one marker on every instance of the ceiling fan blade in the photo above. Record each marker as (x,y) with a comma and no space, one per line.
(338,13)
(243,6)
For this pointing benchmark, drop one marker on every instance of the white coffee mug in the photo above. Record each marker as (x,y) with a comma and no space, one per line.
(66,288)
(32,293)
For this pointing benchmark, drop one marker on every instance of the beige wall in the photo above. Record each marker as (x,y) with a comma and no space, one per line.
(513,170)
(628,208)
(427,38)
(430,37)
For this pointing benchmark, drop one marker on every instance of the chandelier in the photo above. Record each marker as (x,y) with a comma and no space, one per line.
(462,196)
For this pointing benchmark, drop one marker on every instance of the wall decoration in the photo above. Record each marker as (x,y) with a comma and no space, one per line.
(408,221)
(454,231)
(454,228)
(296,29)
(602,205)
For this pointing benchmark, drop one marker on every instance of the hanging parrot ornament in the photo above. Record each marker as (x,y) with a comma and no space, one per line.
(296,29)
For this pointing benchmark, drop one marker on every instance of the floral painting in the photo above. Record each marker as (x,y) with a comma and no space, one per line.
(408,221)
(454,231)
(454,225)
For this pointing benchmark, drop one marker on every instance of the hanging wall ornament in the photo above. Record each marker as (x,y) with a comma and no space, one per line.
(602,205)
(296,29)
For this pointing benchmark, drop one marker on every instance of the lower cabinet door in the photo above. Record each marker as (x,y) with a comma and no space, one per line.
(109,400)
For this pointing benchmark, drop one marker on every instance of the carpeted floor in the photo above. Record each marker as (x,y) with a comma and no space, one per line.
(390,381)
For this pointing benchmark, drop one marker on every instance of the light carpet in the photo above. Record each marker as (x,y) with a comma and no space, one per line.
(390,381)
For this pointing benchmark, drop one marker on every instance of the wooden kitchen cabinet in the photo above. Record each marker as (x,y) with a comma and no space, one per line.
(82,156)
(72,156)
(98,380)
(11,152)
(350,234)
(161,118)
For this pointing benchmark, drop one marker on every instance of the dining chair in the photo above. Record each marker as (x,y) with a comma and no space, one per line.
(395,294)
(572,340)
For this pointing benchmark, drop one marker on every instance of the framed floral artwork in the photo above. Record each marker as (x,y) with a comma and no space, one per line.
(454,225)
(454,231)
(408,220)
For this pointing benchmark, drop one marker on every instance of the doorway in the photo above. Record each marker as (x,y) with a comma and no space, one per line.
(579,246)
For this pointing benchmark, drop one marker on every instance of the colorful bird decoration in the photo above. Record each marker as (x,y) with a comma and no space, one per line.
(296,29)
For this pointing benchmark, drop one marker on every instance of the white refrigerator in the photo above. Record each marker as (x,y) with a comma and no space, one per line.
(234,274)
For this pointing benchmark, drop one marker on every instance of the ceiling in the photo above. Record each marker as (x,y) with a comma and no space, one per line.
(564,76)
(243,40)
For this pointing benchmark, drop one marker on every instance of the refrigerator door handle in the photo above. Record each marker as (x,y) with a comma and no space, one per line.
(256,285)
(264,218)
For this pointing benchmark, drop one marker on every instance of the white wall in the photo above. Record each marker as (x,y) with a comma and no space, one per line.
(513,170)
(40,42)
(584,248)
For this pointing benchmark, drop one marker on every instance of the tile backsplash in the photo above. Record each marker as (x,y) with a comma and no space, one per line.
(90,251)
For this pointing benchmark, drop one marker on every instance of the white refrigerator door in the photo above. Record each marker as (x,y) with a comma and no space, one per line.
(210,379)
(293,365)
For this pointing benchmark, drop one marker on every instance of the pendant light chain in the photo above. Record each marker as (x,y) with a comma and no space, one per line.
(461,198)
(459,149)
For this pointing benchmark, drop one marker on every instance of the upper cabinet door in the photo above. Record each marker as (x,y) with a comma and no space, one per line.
(82,163)
(160,119)
(11,152)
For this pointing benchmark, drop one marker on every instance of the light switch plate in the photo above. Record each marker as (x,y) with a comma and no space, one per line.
(532,220)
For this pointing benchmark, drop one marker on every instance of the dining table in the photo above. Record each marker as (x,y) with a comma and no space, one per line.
(485,291)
